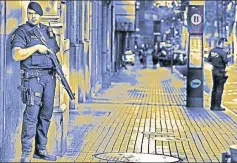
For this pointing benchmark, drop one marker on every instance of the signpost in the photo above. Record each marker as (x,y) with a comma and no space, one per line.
(195,57)
(156,31)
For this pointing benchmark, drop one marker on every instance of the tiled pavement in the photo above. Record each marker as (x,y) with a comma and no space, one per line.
(144,112)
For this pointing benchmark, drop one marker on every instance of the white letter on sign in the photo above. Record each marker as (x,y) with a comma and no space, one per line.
(196,19)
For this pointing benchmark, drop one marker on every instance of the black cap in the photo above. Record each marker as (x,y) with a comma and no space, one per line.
(222,39)
(36,7)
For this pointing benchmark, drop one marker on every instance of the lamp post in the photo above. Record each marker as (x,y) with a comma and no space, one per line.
(137,6)
(172,30)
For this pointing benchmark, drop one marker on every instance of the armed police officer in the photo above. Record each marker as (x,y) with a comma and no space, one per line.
(218,58)
(38,82)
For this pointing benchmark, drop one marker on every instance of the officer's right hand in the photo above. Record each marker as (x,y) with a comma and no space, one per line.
(43,49)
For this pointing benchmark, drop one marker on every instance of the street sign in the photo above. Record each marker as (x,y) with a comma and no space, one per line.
(195,83)
(195,19)
(195,57)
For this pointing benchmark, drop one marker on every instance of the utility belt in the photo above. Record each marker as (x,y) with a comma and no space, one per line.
(36,73)
(220,72)
(27,95)
(219,68)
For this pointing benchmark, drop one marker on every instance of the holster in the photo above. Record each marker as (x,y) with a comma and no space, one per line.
(23,88)
(26,92)
(225,78)
(221,73)
(30,98)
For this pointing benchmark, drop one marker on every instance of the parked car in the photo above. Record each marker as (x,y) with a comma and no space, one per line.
(179,57)
(129,57)
(165,55)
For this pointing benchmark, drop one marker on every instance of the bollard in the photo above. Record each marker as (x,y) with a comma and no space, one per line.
(233,153)
(224,157)
(57,136)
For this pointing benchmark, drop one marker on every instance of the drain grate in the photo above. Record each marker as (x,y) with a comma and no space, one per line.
(169,139)
(152,134)
(136,157)
(163,136)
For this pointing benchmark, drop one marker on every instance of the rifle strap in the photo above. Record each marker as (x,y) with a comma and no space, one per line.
(39,35)
(26,33)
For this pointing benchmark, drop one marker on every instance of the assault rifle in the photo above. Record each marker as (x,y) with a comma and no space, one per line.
(57,65)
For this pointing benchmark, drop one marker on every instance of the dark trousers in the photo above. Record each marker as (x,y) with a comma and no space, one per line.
(36,117)
(217,91)
(155,60)
(144,61)
(123,64)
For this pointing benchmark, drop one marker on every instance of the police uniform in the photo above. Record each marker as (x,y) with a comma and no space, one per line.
(218,58)
(39,77)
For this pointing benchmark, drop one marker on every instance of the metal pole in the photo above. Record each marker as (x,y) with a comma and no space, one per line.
(104,62)
(217,19)
(104,34)
(108,38)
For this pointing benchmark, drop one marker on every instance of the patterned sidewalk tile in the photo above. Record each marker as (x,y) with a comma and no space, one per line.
(144,112)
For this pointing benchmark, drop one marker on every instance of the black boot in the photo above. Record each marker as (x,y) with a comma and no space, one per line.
(26,157)
(217,108)
(221,109)
(43,154)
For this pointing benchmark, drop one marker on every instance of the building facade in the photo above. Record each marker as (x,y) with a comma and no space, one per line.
(85,33)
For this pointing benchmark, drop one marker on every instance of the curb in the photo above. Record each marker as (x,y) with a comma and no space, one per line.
(178,73)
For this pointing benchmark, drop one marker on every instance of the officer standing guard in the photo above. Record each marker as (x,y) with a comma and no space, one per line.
(38,82)
(218,58)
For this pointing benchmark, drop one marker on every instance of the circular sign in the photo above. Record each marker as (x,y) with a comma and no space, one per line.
(196,19)
(195,83)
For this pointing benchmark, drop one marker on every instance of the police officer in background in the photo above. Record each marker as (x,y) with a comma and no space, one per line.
(218,58)
(39,81)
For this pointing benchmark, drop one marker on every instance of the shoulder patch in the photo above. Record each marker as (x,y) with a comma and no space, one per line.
(213,54)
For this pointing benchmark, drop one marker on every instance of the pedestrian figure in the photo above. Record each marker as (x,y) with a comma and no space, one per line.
(155,55)
(123,64)
(38,82)
(144,59)
(162,53)
(218,58)
(140,55)
(144,56)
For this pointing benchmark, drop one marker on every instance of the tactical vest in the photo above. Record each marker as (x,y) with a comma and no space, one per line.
(36,60)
